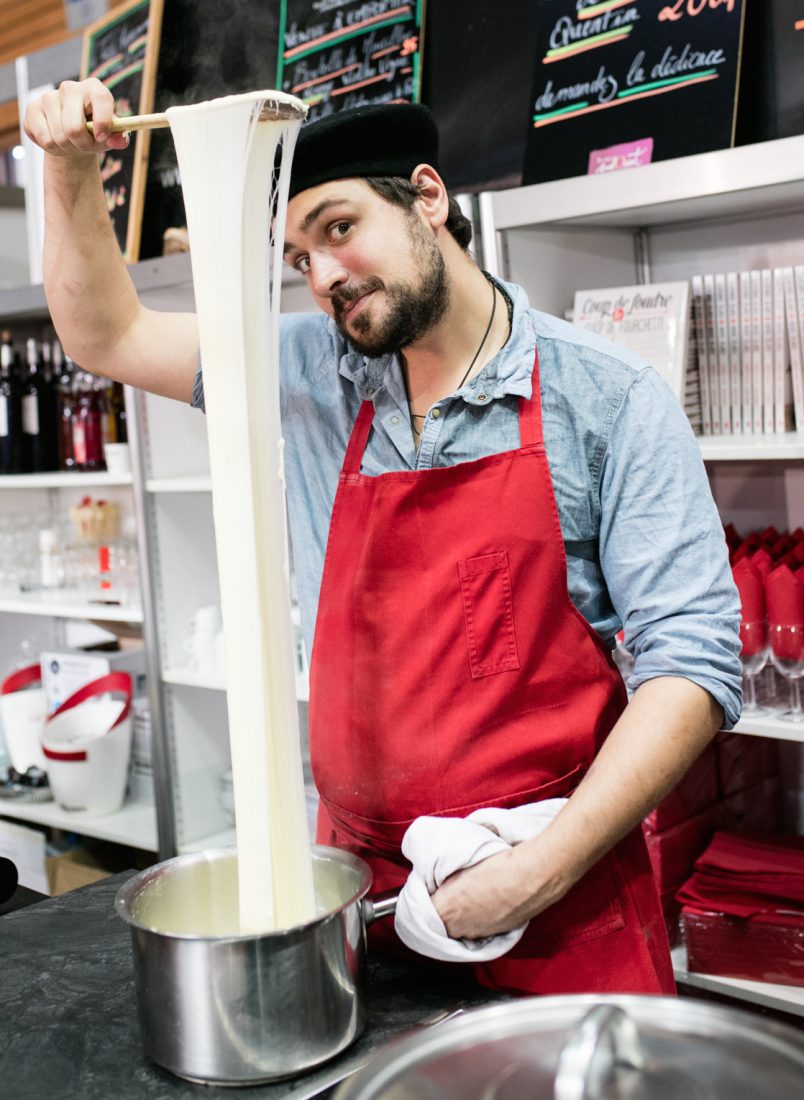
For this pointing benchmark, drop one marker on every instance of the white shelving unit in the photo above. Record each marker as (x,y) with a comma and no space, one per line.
(787,447)
(199,483)
(66,605)
(64,480)
(730,210)
(770,725)
(133,825)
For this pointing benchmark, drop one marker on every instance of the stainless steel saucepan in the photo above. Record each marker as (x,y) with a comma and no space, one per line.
(217,1006)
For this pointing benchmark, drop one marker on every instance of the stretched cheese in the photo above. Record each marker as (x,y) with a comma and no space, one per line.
(234,205)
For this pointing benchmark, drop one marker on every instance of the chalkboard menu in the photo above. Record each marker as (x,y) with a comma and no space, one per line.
(121,50)
(336,54)
(772,78)
(619,82)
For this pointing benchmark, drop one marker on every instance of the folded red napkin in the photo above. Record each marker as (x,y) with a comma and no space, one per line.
(794,557)
(745,874)
(752,594)
(784,595)
(747,546)
(762,562)
(768,536)
(781,546)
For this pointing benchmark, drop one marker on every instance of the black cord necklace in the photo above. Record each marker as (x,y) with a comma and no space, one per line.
(423,416)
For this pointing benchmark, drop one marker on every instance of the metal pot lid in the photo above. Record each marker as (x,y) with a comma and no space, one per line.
(589,1048)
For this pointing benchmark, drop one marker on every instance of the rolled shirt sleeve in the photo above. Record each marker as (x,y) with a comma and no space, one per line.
(197,400)
(663,551)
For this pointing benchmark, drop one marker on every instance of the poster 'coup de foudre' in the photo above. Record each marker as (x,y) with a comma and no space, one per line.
(619,83)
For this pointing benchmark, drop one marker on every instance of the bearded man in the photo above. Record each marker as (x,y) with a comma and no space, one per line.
(480,497)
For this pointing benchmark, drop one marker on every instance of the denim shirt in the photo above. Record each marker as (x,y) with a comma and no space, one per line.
(644,543)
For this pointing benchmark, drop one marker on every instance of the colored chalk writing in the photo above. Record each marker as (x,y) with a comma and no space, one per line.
(607,74)
(337,54)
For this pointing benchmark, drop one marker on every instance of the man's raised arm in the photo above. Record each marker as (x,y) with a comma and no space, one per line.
(94,306)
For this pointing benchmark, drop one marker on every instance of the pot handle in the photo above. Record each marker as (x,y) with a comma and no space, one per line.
(379,907)
(606,1037)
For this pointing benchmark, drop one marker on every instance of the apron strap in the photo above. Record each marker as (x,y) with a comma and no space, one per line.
(530,412)
(530,424)
(358,439)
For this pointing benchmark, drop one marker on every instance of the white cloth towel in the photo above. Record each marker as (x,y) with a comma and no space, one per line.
(438,847)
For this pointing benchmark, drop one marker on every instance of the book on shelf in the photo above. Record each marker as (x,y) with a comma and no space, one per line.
(710,343)
(756,350)
(654,321)
(721,338)
(767,350)
(748,330)
(735,356)
(745,351)
(706,377)
(795,338)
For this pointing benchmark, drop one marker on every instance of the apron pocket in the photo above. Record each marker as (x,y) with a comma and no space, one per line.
(488,609)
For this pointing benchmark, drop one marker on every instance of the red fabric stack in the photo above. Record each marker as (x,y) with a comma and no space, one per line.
(679,829)
(743,908)
(734,784)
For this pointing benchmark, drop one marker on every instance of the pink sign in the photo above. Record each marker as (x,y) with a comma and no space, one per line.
(628,155)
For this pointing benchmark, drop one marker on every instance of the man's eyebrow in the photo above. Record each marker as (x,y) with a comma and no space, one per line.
(311,217)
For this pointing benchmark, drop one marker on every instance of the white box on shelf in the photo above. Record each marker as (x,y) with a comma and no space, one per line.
(65,671)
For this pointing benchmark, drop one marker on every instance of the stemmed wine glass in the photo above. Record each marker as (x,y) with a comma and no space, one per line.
(754,657)
(787,654)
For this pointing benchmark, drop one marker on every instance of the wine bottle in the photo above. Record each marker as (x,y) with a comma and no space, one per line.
(119,408)
(34,454)
(66,405)
(10,412)
(50,407)
(87,425)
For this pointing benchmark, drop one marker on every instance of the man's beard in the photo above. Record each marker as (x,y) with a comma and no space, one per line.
(412,310)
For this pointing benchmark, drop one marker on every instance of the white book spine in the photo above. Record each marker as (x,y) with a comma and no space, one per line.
(711,352)
(722,339)
(779,352)
(699,322)
(767,350)
(735,371)
(745,350)
(794,306)
(756,348)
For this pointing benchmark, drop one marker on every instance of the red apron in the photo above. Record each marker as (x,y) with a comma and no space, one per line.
(452,671)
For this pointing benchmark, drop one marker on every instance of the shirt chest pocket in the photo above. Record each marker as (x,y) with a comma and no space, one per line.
(488,609)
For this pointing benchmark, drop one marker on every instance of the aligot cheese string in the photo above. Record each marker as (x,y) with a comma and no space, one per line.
(226,158)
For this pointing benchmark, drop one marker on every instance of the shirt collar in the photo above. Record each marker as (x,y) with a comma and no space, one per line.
(509,372)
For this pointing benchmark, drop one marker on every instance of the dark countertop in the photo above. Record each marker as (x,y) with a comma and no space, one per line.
(68,1015)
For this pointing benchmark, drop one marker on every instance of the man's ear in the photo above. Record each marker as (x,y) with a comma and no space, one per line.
(433,199)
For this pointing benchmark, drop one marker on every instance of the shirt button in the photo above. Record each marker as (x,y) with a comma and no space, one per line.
(370,391)
(394,419)
(436,414)
(482,397)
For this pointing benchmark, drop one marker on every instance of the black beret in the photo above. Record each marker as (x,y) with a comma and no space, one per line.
(382,139)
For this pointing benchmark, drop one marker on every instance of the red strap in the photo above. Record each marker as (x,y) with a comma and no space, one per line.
(530,412)
(113,681)
(51,754)
(530,424)
(358,439)
(21,679)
